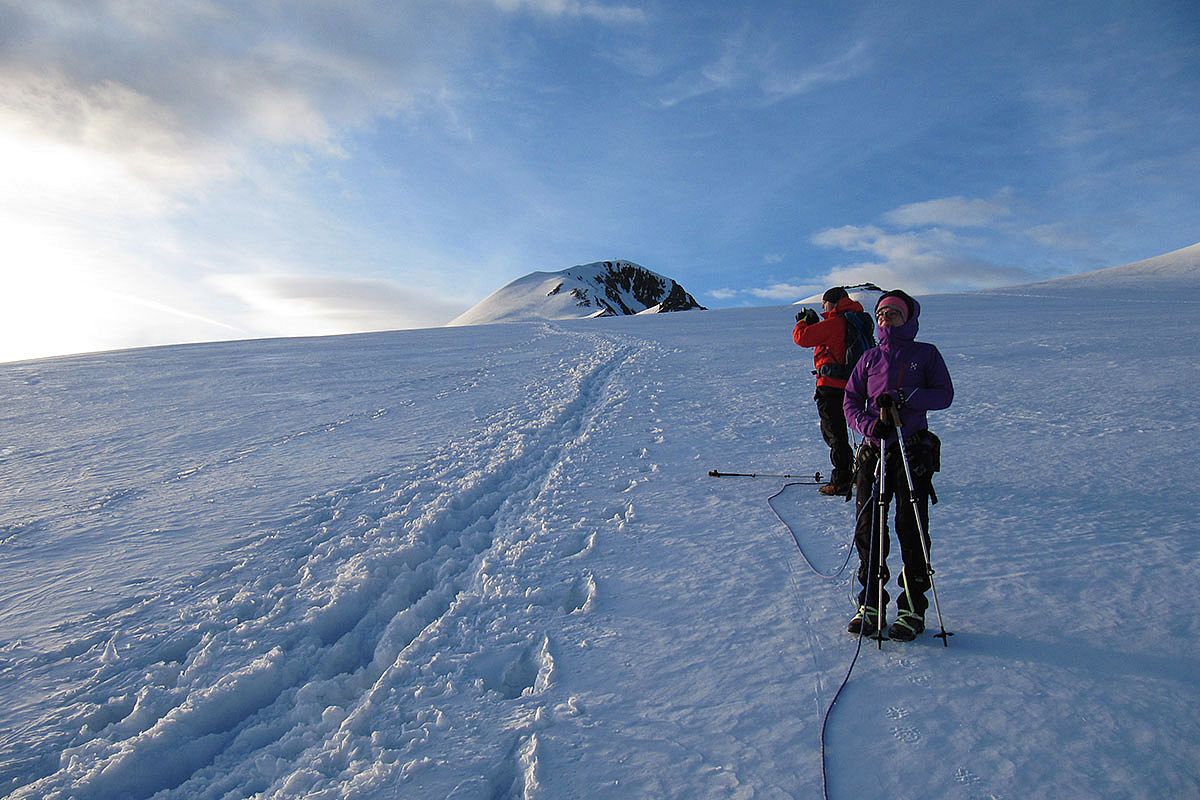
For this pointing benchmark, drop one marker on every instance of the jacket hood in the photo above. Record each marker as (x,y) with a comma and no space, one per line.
(847,304)
(906,332)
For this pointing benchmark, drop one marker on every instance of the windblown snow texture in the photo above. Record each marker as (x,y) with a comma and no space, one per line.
(433,564)
(601,289)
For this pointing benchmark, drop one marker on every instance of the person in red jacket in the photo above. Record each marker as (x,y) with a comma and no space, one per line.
(827,337)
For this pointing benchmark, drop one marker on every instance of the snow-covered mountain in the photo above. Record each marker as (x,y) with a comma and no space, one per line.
(600,289)
(866,294)
(433,564)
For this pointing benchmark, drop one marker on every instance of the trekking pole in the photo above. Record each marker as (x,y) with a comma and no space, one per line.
(814,478)
(912,495)
(881,532)
(872,558)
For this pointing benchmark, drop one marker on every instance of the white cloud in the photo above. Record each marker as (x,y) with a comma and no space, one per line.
(101,149)
(782,291)
(917,261)
(953,212)
(179,94)
(286,305)
(890,246)
(772,258)
(927,259)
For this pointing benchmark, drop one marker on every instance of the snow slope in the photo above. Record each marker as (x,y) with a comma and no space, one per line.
(599,289)
(438,564)
(1177,268)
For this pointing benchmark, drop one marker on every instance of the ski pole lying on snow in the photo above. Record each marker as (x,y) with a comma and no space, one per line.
(912,495)
(814,478)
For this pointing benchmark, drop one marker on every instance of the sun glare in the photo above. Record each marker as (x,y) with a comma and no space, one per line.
(48,305)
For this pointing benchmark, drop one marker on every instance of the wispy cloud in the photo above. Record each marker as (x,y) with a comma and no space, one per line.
(1059,236)
(601,12)
(724,72)
(952,212)
(306,304)
(752,69)
(782,84)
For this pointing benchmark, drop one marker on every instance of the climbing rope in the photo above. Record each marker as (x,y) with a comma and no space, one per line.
(828,576)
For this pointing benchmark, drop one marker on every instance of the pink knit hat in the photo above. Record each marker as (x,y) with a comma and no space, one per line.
(891,301)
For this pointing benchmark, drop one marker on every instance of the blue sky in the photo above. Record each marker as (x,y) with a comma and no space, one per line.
(194,170)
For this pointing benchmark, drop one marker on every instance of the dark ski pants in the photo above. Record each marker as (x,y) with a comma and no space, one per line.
(914,579)
(833,429)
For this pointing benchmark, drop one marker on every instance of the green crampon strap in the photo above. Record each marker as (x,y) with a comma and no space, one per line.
(868,611)
(903,617)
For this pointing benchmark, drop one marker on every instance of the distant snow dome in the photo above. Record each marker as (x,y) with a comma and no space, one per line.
(865,293)
(599,289)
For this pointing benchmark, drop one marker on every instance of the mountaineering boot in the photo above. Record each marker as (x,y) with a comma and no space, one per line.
(866,621)
(908,626)
(832,489)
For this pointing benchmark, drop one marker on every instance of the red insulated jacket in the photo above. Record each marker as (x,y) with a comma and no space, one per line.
(828,337)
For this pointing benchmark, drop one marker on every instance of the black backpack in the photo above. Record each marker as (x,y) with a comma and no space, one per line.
(860,337)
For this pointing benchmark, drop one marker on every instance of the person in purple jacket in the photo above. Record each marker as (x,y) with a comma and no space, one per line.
(912,377)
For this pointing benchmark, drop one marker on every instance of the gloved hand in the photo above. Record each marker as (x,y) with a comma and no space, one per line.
(890,400)
(808,317)
(882,429)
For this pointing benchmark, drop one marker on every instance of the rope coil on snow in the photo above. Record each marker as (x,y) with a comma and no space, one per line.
(800,547)
(826,576)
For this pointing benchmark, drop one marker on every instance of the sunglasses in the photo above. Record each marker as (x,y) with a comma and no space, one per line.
(888,313)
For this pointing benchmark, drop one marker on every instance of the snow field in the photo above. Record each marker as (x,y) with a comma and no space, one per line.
(488,562)
(282,656)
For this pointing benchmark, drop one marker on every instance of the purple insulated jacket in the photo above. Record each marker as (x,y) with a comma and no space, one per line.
(916,368)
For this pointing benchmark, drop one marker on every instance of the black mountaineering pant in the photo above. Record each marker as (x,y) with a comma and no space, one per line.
(914,580)
(833,429)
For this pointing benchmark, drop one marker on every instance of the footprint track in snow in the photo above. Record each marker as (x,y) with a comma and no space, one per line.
(581,596)
(966,777)
(906,735)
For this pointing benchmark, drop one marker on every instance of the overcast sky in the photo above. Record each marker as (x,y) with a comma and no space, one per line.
(193,170)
